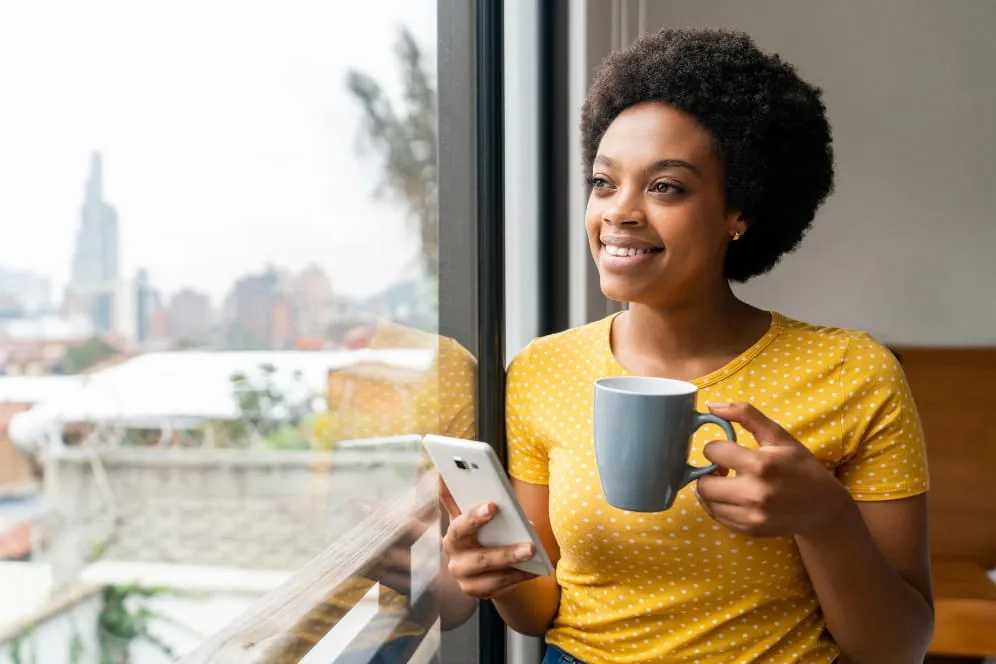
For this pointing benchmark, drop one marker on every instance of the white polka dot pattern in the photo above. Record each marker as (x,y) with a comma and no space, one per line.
(676,586)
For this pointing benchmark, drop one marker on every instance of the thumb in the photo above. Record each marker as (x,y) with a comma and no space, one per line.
(765,430)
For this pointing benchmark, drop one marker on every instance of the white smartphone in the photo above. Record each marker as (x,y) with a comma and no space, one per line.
(474,475)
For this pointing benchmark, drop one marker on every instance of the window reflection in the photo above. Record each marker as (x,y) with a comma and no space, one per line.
(218,332)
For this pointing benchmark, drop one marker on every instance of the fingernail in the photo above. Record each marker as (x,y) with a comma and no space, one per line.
(718,404)
(484,510)
(524,552)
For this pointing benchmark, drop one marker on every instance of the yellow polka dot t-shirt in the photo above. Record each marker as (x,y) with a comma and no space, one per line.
(677,586)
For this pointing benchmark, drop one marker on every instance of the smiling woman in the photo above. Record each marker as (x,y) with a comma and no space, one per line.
(708,159)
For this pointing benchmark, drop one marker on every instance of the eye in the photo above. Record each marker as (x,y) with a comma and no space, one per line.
(598,182)
(662,187)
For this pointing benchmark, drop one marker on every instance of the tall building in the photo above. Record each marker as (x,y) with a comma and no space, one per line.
(147,302)
(313,300)
(95,261)
(259,313)
(188,316)
(116,305)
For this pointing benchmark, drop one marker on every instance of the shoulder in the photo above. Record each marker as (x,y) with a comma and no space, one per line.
(563,349)
(856,351)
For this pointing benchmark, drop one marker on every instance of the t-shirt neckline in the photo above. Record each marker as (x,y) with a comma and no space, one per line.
(774,329)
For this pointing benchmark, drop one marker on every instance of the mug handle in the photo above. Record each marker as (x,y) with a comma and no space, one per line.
(691,472)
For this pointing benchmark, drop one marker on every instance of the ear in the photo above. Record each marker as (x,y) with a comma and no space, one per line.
(736,225)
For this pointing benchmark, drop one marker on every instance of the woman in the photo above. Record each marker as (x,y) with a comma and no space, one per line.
(708,160)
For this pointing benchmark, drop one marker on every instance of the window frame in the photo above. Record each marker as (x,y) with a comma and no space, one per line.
(471,188)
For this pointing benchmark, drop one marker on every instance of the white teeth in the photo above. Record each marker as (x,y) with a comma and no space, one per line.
(624,251)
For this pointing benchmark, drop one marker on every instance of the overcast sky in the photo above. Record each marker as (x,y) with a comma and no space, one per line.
(227,132)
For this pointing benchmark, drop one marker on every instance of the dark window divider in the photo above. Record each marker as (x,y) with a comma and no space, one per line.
(556,127)
(491,268)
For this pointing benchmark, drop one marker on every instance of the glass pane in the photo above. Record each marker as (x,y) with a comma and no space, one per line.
(219,332)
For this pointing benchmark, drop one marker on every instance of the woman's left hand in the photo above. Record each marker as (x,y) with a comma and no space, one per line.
(779,489)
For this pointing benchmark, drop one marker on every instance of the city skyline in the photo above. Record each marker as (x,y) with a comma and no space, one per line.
(96,252)
(234,153)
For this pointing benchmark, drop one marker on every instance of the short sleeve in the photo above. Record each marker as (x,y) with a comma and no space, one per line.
(885,456)
(528,458)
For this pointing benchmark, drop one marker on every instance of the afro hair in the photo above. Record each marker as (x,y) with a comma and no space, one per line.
(769,129)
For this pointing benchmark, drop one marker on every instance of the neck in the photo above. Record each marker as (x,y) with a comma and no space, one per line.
(706,326)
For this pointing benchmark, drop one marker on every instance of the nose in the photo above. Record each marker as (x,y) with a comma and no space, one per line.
(626,210)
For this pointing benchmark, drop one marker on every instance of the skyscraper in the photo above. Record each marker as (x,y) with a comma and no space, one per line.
(95,261)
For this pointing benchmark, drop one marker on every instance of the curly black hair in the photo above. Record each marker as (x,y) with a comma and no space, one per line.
(769,126)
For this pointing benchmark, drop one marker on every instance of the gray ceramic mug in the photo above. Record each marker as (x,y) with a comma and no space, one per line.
(643,431)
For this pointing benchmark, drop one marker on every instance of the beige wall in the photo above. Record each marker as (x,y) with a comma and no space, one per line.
(15,470)
(906,247)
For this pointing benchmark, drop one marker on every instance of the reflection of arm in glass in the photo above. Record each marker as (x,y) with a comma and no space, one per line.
(527,603)
(441,400)
(457,409)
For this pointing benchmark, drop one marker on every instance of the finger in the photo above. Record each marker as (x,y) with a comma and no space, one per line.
(728,490)
(488,585)
(465,526)
(482,561)
(727,454)
(704,503)
(446,498)
(736,517)
(722,471)
(765,430)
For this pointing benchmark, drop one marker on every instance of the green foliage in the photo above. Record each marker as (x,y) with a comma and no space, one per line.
(124,619)
(97,550)
(19,642)
(76,648)
(406,141)
(266,415)
(119,625)
(93,351)
(187,343)
(287,437)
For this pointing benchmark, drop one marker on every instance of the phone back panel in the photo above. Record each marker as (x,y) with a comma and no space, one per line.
(474,475)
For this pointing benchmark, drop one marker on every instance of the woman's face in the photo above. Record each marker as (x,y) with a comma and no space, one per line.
(656,219)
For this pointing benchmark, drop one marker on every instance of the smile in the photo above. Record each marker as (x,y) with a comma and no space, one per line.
(615,258)
(623,252)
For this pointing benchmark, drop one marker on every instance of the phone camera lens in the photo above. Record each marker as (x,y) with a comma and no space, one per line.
(460,463)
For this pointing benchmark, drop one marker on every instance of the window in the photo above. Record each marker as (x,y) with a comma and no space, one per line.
(245,249)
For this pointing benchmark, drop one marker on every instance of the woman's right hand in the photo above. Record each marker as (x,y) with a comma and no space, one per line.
(481,572)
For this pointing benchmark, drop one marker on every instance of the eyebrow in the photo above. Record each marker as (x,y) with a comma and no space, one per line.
(660,165)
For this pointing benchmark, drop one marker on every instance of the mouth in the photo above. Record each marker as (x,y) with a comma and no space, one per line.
(614,257)
(629,252)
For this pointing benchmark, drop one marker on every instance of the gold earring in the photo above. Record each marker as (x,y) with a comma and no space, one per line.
(736,236)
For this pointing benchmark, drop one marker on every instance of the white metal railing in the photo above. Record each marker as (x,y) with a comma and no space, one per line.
(280,626)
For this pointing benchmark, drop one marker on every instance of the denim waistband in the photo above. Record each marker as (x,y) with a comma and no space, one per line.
(555,655)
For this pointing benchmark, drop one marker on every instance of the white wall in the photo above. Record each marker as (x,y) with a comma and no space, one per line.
(521,174)
(906,247)
(184,622)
